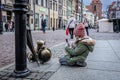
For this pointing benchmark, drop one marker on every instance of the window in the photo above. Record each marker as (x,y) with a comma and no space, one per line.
(50,5)
(36,20)
(51,22)
(46,1)
(95,8)
(56,7)
(53,6)
(31,21)
(36,2)
(54,22)
(42,2)
(39,2)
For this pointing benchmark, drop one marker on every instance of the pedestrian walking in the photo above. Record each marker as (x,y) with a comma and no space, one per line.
(6,26)
(13,25)
(64,26)
(43,23)
(71,25)
(86,24)
(77,53)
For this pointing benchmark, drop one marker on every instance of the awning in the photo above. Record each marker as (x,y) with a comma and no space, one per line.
(30,13)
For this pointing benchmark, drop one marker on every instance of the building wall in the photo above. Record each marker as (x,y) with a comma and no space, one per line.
(89,16)
(39,10)
(64,11)
(7,11)
(73,7)
(78,10)
(69,8)
(96,8)
(54,15)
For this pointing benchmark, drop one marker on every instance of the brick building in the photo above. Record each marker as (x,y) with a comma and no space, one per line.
(96,8)
(114,15)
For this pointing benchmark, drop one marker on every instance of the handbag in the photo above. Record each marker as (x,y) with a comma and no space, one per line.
(67,31)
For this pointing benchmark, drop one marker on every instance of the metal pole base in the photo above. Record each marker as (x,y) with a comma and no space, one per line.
(20,74)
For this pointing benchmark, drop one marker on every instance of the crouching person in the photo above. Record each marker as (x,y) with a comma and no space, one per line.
(79,50)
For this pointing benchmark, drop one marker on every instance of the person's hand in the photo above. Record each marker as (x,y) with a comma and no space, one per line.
(73,45)
(67,45)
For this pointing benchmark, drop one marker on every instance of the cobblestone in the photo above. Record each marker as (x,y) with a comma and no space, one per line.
(7,44)
(35,75)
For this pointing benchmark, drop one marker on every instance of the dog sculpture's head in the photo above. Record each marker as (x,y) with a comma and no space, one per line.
(40,44)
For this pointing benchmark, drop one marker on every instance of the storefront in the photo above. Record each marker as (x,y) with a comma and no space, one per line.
(7,13)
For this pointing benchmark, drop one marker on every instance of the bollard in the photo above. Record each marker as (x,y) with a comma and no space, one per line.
(20,40)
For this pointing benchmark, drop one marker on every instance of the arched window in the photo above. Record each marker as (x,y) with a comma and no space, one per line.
(94,7)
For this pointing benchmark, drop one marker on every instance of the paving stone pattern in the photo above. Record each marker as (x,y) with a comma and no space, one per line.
(7,44)
(35,75)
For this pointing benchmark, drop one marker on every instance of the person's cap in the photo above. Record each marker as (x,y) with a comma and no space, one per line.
(79,30)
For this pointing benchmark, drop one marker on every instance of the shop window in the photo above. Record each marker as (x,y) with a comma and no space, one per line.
(4,18)
(36,2)
(46,5)
(36,20)
(42,2)
(31,21)
(51,22)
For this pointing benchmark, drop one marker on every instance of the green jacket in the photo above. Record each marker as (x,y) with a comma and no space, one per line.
(80,51)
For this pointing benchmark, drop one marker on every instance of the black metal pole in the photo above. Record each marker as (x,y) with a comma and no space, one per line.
(20,39)
(1,22)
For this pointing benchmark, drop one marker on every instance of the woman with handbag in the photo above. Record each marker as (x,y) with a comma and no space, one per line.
(71,25)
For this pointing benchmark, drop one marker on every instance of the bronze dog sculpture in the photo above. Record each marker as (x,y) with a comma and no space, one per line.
(43,54)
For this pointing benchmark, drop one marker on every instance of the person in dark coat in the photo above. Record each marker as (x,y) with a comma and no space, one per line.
(43,23)
(6,26)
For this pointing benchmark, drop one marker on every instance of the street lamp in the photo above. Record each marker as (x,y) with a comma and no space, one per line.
(1,22)
(20,9)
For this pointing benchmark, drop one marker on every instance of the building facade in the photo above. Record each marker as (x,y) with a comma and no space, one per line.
(96,8)
(69,8)
(74,8)
(56,12)
(78,10)
(7,11)
(114,15)
(60,13)
(64,10)
(53,14)
(40,9)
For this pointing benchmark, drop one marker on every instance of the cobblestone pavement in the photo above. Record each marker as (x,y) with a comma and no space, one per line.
(35,75)
(52,38)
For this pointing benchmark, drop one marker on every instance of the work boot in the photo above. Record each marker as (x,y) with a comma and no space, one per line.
(63,61)
(81,64)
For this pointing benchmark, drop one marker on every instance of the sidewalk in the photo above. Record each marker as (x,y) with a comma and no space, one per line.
(102,64)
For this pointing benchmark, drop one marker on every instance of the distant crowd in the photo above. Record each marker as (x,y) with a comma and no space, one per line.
(9,26)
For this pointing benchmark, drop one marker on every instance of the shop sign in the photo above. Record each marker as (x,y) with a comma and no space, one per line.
(42,9)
